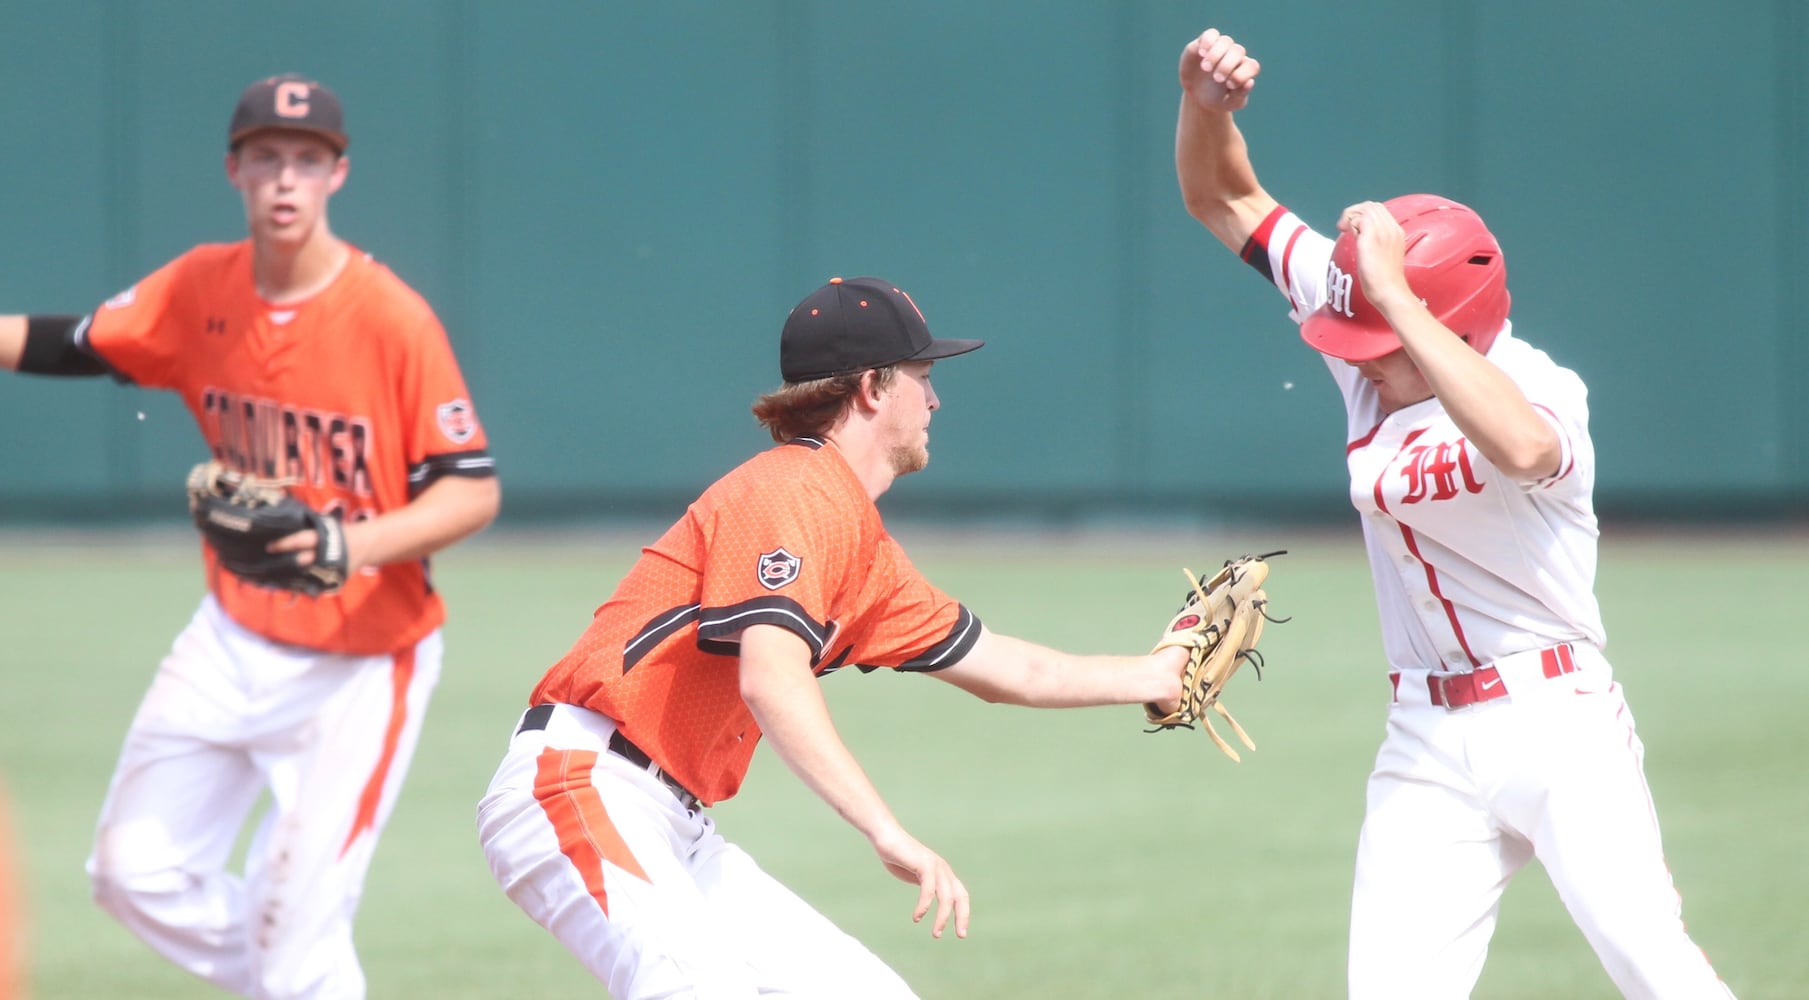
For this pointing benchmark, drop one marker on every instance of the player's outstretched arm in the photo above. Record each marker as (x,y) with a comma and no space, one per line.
(1012,671)
(786,699)
(46,345)
(1212,162)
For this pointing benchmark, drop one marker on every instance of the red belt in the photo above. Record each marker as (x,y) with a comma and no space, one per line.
(1485,683)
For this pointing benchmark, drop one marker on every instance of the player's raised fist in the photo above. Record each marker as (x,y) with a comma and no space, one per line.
(1217,73)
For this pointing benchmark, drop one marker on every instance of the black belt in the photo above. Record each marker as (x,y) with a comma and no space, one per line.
(537,717)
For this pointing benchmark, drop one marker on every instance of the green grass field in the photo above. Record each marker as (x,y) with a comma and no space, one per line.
(1103,862)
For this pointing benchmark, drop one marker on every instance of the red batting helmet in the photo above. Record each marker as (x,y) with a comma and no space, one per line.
(1453,264)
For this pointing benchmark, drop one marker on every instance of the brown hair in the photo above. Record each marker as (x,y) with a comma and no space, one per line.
(810,409)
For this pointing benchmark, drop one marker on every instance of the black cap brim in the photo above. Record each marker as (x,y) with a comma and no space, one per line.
(337,140)
(946,349)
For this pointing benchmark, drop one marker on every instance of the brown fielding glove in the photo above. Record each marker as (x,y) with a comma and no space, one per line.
(240,515)
(1219,623)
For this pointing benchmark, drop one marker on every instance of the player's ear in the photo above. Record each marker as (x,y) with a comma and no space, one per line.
(340,167)
(870,389)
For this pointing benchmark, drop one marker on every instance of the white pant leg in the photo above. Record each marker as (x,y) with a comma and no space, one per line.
(179,794)
(794,950)
(335,766)
(227,714)
(1431,866)
(646,894)
(1585,804)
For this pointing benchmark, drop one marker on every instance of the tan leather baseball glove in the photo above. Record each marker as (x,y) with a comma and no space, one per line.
(1219,624)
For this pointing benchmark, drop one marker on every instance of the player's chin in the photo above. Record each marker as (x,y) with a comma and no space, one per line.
(907,460)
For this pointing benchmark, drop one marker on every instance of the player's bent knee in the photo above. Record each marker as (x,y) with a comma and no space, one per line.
(135,894)
(124,878)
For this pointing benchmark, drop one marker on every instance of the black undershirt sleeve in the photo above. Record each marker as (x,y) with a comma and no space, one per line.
(53,347)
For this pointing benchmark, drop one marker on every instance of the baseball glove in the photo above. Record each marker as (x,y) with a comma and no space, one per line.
(1219,623)
(240,515)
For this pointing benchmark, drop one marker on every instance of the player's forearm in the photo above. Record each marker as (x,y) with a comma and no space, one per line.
(786,700)
(1011,671)
(1481,400)
(453,508)
(1218,182)
(12,341)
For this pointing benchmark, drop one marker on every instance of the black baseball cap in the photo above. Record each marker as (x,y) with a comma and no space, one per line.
(291,102)
(853,324)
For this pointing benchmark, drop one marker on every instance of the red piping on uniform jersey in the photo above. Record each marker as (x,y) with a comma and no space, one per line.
(1287,267)
(1364,441)
(1570,455)
(1259,238)
(1432,583)
(1414,547)
(402,673)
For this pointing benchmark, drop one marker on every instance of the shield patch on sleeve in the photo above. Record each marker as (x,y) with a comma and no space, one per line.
(457,421)
(778,568)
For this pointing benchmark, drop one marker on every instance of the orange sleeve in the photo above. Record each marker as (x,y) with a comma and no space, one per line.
(914,626)
(441,432)
(772,557)
(139,333)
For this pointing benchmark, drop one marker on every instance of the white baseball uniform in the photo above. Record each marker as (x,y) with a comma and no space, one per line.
(1508,737)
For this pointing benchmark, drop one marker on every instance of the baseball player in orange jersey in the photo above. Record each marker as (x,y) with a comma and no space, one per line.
(300,357)
(781,572)
(1472,466)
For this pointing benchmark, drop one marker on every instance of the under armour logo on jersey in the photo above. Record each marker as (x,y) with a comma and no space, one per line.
(1337,290)
(778,568)
(123,299)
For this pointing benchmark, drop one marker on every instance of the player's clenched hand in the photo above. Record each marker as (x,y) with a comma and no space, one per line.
(1216,72)
(1381,252)
(910,861)
(1175,658)
(303,544)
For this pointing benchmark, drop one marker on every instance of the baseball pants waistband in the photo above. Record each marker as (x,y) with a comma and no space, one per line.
(563,720)
(1515,672)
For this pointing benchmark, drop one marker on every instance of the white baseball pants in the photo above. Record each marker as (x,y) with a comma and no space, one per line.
(229,715)
(1461,799)
(645,892)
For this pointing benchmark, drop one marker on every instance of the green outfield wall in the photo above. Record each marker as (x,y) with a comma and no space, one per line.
(613,204)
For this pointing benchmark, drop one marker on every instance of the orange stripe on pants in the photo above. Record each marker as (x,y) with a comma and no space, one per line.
(586,834)
(400,676)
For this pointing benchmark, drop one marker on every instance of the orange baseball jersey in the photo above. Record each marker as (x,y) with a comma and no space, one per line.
(790,538)
(354,394)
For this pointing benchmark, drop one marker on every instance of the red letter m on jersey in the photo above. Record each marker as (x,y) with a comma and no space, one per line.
(1432,471)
